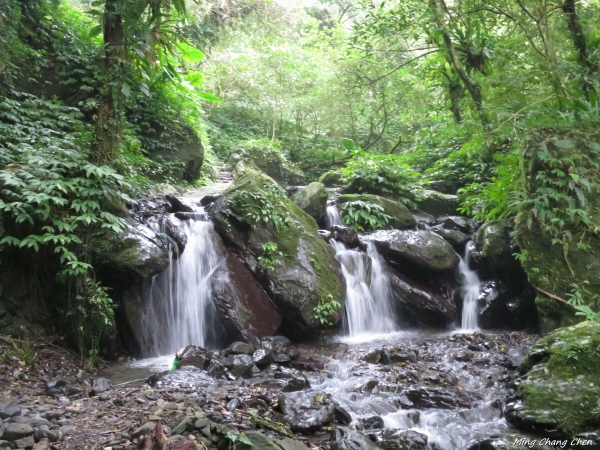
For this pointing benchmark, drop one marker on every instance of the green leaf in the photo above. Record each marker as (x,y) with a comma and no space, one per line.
(564,143)
(209,97)
(189,53)
(95,31)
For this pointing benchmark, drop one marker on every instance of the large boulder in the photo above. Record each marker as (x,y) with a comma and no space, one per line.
(332,178)
(401,217)
(295,266)
(419,304)
(416,249)
(499,308)
(496,243)
(271,162)
(347,439)
(306,411)
(559,386)
(313,201)
(438,204)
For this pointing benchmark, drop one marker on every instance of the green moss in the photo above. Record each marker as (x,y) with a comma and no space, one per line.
(332,178)
(401,217)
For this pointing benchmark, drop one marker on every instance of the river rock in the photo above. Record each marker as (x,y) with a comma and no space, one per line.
(239,365)
(240,348)
(276,344)
(423,249)
(402,440)
(273,164)
(457,239)
(16,431)
(194,356)
(420,304)
(559,386)
(263,357)
(100,385)
(174,229)
(499,308)
(306,412)
(425,398)
(313,200)
(178,205)
(346,235)
(332,178)
(306,271)
(438,204)
(458,223)
(347,439)
(495,240)
(400,216)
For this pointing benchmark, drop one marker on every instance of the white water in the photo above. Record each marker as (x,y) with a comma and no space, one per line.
(333,217)
(180,310)
(368,299)
(470,288)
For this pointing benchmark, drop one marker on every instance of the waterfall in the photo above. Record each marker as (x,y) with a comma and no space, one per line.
(333,217)
(180,310)
(470,292)
(368,306)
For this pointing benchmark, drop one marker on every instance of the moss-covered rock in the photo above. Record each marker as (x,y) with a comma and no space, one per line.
(438,204)
(271,161)
(332,178)
(294,264)
(313,201)
(401,217)
(559,387)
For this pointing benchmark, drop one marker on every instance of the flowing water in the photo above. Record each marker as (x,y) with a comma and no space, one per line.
(470,289)
(368,300)
(180,310)
(333,216)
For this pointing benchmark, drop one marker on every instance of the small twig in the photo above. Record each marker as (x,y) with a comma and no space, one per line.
(129,382)
(553,297)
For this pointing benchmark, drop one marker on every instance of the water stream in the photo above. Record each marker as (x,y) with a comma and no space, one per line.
(333,217)
(470,288)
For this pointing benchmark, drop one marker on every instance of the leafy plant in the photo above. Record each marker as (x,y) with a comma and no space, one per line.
(327,308)
(264,206)
(234,439)
(270,257)
(364,216)
(583,301)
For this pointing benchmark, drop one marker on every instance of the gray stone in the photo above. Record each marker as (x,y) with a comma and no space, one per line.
(16,431)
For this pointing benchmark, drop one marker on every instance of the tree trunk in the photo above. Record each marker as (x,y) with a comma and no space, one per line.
(109,118)
(439,11)
(580,44)
(457,92)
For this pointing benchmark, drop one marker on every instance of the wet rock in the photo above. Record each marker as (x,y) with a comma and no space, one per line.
(458,223)
(308,269)
(276,344)
(423,249)
(193,355)
(346,235)
(342,416)
(186,376)
(560,383)
(100,385)
(296,384)
(56,388)
(438,204)
(347,439)
(372,423)
(402,440)
(457,239)
(424,398)
(491,444)
(307,365)
(397,356)
(499,308)
(313,200)
(263,357)
(306,412)
(174,229)
(240,348)
(208,199)
(282,358)
(400,216)
(177,205)
(243,302)
(239,365)
(326,235)
(16,431)
(419,304)
(373,357)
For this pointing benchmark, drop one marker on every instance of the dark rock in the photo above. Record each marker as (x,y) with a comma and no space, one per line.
(276,344)
(16,431)
(240,348)
(347,439)
(342,416)
(313,200)
(419,304)
(26,442)
(397,356)
(424,398)
(438,204)
(177,205)
(61,387)
(8,411)
(372,423)
(490,444)
(174,229)
(208,199)
(457,239)
(307,365)
(296,384)
(100,385)
(499,308)
(423,249)
(239,365)
(306,412)
(373,357)
(346,235)
(262,357)
(402,440)
(195,356)
(326,235)
(282,358)
(458,223)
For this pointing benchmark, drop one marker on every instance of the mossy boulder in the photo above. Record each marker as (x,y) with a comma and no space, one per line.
(438,204)
(271,161)
(559,386)
(295,266)
(401,217)
(332,178)
(313,201)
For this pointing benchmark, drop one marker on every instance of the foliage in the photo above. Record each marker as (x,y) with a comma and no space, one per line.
(241,438)
(585,302)
(384,175)
(364,216)
(21,351)
(270,257)
(264,206)
(326,309)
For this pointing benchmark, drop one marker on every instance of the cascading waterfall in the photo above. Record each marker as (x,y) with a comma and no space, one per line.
(470,288)
(368,307)
(333,217)
(180,309)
